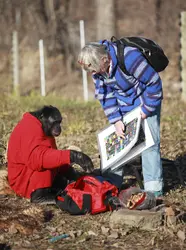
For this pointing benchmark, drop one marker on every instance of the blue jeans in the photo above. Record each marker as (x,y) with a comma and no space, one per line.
(151,157)
(151,160)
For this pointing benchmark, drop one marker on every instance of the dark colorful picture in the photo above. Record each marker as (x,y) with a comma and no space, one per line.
(115,144)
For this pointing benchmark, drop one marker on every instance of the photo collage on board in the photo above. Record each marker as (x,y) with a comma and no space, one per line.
(115,144)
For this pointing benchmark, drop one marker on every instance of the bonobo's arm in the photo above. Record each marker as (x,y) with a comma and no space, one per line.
(41,155)
(39,151)
(48,158)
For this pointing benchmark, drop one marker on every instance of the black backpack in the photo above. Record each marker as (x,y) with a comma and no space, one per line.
(151,51)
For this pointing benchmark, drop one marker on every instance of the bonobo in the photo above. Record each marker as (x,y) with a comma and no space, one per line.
(50,118)
(36,168)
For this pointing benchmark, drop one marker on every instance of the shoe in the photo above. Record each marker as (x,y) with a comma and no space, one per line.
(158,195)
(44,196)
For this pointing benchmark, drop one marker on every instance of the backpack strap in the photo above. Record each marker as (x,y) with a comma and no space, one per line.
(88,179)
(121,44)
(127,42)
(120,54)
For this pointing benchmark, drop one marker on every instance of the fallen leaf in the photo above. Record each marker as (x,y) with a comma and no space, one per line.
(114,235)
(12,229)
(181,235)
(169,211)
(105,230)
(91,233)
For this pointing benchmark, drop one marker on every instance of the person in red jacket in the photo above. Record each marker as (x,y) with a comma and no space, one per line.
(36,168)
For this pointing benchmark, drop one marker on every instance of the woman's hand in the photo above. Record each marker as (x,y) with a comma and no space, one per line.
(143,115)
(120,127)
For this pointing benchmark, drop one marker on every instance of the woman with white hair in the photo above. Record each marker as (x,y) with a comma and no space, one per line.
(120,93)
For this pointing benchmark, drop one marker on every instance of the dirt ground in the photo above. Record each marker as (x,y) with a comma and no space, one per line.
(27,226)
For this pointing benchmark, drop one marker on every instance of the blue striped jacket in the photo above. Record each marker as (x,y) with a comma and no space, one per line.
(119,93)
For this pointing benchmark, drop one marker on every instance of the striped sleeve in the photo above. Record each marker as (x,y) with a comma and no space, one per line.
(108,101)
(137,65)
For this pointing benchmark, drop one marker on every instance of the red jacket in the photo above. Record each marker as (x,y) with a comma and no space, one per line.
(30,151)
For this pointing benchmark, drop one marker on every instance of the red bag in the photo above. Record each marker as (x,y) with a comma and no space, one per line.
(87,195)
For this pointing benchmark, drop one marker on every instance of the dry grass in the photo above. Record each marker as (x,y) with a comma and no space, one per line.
(81,123)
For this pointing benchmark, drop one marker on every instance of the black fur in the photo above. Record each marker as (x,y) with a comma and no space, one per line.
(50,118)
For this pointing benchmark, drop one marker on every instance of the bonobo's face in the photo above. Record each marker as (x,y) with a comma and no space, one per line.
(54,125)
(51,121)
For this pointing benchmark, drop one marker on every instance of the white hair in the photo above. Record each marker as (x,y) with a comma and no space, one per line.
(90,56)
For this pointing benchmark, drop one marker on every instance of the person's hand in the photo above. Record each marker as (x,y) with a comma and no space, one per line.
(143,115)
(81,159)
(120,127)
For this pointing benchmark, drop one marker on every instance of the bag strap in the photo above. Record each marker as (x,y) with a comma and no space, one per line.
(143,50)
(120,53)
(112,202)
(121,43)
(89,179)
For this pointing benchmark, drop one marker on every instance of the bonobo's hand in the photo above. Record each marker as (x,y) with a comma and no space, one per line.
(81,159)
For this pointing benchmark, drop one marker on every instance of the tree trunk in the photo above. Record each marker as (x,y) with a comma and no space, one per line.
(105,16)
(52,25)
(183,54)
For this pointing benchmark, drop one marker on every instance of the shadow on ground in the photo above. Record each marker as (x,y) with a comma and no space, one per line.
(4,247)
(174,173)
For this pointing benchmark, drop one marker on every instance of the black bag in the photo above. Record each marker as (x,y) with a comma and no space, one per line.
(150,50)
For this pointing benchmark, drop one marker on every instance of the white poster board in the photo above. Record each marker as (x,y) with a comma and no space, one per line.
(116,151)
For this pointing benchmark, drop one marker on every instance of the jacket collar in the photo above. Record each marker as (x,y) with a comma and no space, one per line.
(32,118)
(112,50)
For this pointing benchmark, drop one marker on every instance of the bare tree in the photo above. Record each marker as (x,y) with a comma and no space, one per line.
(51,18)
(158,5)
(183,54)
(105,16)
